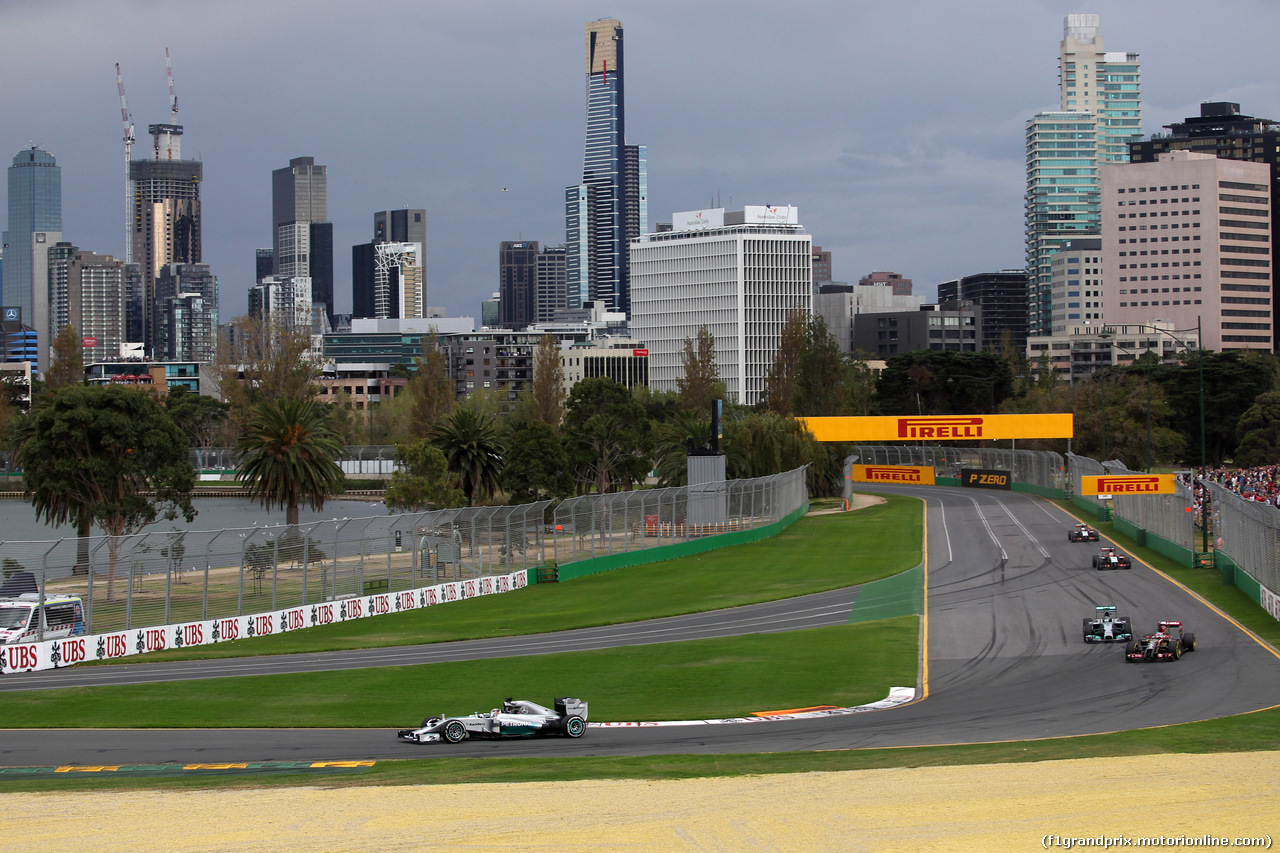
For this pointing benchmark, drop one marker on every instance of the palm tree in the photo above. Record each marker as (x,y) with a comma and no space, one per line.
(674,438)
(287,453)
(473,446)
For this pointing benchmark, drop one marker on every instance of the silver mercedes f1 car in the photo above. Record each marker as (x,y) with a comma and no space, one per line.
(516,718)
(1106,627)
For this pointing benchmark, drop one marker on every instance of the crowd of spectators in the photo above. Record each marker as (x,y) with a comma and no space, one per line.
(1261,484)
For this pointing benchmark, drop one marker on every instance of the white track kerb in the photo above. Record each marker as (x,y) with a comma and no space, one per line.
(897,696)
(55,654)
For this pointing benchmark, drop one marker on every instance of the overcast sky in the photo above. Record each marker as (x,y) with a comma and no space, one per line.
(895,128)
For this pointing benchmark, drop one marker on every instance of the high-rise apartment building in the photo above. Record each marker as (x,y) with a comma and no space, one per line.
(740,273)
(517,268)
(1106,84)
(821,266)
(1100,114)
(284,302)
(1002,296)
(1192,245)
(166,217)
(549,284)
(187,311)
(375,287)
(34,227)
(88,291)
(610,206)
(303,235)
(1076,284)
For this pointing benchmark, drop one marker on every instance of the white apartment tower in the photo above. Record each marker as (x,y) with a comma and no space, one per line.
(740,273)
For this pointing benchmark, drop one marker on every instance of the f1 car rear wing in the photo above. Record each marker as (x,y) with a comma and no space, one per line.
(566,707)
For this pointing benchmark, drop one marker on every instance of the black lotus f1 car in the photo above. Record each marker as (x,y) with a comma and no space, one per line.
(1169,642)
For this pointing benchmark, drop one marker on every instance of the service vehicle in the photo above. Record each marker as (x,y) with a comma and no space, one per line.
(1170,642)
(516,718)
(1106,627)
(1110,558)
(24,619)
(1082,533)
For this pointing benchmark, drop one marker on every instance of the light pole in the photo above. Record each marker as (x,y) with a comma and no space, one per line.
(1204,457)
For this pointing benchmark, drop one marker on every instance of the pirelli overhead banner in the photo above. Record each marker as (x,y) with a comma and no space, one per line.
(1127,484)
(940,427)
(917,475)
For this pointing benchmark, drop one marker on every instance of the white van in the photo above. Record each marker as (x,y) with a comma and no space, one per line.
(21,618)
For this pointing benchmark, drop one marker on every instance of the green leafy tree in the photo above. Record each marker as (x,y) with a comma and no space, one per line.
(537,466)
(1259,431)
(287,456)
(66,363)
(1232,382)
(673,440)
(473,445)
(935,382)
(105,455)
(759,444)
(819,388)
(546,392)
(201,418)
(699,381)
(859,386)
(607,434)
(261,361)
(421,479)
(431,391)
(780,382)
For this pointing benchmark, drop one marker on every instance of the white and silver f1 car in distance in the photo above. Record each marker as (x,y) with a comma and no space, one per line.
(1169,642)
(1106,627)
(516,718)
(1110,558)
(1082,533)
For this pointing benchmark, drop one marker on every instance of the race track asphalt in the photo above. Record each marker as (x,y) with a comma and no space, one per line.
(1006,661)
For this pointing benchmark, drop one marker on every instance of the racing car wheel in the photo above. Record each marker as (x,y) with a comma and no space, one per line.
(454,732)
(574,726)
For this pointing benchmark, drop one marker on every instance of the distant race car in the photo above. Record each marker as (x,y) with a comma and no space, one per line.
(1082,533)
(1169,642)
(1110,558)
(516,718)
(1106,627)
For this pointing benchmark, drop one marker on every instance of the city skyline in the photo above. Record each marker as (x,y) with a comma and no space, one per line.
(887,126)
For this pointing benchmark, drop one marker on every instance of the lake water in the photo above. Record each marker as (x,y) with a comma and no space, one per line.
(18,520)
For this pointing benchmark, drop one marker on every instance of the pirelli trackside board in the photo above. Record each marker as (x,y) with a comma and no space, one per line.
(940,427)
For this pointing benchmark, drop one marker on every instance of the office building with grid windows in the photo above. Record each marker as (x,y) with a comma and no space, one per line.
(740,273)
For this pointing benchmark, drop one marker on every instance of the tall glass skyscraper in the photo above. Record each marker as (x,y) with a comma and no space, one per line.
(1100,94)
(35,226)
(610,205)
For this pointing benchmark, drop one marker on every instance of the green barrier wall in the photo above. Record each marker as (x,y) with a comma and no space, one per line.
(1234,575)
(1094,508)
(1042,491)
(607,563)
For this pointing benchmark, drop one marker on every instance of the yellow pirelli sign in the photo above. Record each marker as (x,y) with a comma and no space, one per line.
(1127,484)
(905,474)
(940,427)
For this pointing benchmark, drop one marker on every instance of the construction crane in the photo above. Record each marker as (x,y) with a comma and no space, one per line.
(173,99)
(129,139)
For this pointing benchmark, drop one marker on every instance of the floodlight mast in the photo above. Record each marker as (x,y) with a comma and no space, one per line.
(129,138)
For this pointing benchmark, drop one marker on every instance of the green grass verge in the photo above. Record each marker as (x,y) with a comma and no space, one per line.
(840,665)
(813,555)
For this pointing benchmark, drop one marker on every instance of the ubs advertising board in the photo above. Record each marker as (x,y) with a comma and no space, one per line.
(915,475)
(940,427)
(984,478)
(1127,484)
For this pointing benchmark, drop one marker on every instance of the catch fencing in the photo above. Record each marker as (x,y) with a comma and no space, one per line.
(1248,534)
(1166,523)
(168,577)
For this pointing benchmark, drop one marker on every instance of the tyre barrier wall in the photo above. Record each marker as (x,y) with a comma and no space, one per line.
(58,654)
